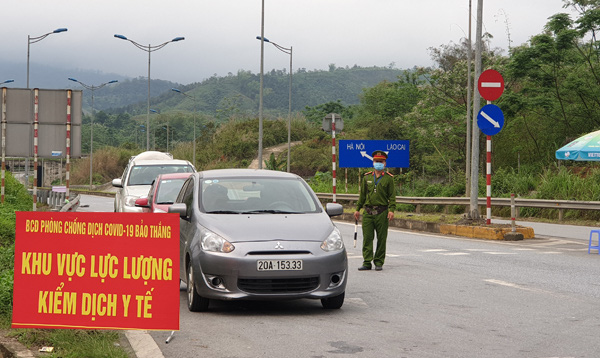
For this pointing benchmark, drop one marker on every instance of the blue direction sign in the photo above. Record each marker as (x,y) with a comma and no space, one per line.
(490,119)
(357,153)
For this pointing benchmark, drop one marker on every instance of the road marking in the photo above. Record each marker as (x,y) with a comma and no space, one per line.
(476,249)
(514,285)
(524,249)
(453,253)
(433,250)
(551,252)
(499,253)
(356,301)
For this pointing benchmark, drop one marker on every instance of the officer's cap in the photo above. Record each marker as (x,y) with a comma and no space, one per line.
(379,155)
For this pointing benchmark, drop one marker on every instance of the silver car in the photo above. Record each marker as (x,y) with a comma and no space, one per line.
(258,234)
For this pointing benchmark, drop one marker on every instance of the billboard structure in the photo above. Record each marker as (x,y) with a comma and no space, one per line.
(40,123)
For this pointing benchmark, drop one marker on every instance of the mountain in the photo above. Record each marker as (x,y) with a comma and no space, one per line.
(236,93)
(240,93)
(123,93)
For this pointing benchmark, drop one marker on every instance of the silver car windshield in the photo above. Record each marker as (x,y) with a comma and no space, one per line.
(145,174)
(257,196)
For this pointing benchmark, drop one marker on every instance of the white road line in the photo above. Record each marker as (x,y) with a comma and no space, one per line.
(433,250)
(514,285)
(453,253)
(550,252)
(476,249)
(356,301)
(524,249)
(391,255)
(499,253)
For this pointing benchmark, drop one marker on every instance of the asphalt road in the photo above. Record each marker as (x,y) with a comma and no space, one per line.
(438,296)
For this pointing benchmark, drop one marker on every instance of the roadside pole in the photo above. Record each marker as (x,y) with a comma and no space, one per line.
(333,154)
(490,121)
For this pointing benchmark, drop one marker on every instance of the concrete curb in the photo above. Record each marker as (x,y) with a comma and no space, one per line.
(10,348)
(475,232)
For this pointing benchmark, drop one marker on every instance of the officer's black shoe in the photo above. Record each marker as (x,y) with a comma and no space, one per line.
(364,268)
(378,268)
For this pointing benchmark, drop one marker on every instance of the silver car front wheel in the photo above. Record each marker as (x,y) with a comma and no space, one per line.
(196,303)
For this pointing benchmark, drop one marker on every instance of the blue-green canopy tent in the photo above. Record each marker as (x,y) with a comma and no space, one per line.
(584,148)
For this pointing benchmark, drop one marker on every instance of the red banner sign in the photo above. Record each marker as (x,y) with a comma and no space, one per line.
(96,271)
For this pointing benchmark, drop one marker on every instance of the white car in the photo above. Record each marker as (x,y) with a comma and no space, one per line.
(139,174)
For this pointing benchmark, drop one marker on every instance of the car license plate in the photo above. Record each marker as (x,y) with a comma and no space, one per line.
(279,265)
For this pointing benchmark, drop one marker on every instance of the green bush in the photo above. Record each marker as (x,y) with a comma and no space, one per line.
(16,199)
(7,254)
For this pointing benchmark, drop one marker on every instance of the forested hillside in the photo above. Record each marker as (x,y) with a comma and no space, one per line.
(237,94)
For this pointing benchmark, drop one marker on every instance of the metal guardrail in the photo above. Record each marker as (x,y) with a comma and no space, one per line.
(561,205)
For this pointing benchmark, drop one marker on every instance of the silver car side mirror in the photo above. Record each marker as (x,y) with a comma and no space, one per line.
(334,209)
(179,208)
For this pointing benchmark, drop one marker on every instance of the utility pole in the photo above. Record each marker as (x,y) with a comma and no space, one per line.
(474,208)
(469,98)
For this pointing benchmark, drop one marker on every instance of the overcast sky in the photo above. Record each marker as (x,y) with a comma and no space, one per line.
(220,35)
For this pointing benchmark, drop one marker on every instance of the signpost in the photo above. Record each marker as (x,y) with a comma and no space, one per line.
(490,85)
(357,153)
(490,120)
(331,122)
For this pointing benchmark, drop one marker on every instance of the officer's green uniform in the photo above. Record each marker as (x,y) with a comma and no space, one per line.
(377,197)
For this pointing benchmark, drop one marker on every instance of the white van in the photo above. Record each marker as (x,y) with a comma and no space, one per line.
(139,174)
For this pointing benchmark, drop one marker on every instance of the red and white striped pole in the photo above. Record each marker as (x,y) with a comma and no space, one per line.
(68,169)
(512,213)
(333,153)
(488,180)
(36,121)
(3,142)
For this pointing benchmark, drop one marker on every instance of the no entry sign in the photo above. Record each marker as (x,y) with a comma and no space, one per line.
(490,85)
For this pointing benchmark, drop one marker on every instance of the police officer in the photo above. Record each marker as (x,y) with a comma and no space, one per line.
(378,198)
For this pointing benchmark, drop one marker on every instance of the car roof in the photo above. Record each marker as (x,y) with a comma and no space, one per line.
(161,162)
(174,176)
(244,173)
(152,155)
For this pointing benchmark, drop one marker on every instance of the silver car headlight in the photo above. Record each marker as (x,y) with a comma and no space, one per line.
(213,242)
(130,200)
(333,242)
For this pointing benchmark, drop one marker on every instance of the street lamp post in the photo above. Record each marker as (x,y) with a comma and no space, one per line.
(148,49)
(92,88)
(32,40)
(194,145)
(142,130)
(154,132)
(289,52)
(260,100)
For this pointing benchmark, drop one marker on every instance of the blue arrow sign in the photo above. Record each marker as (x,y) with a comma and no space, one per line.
(357,153)
(490,119)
